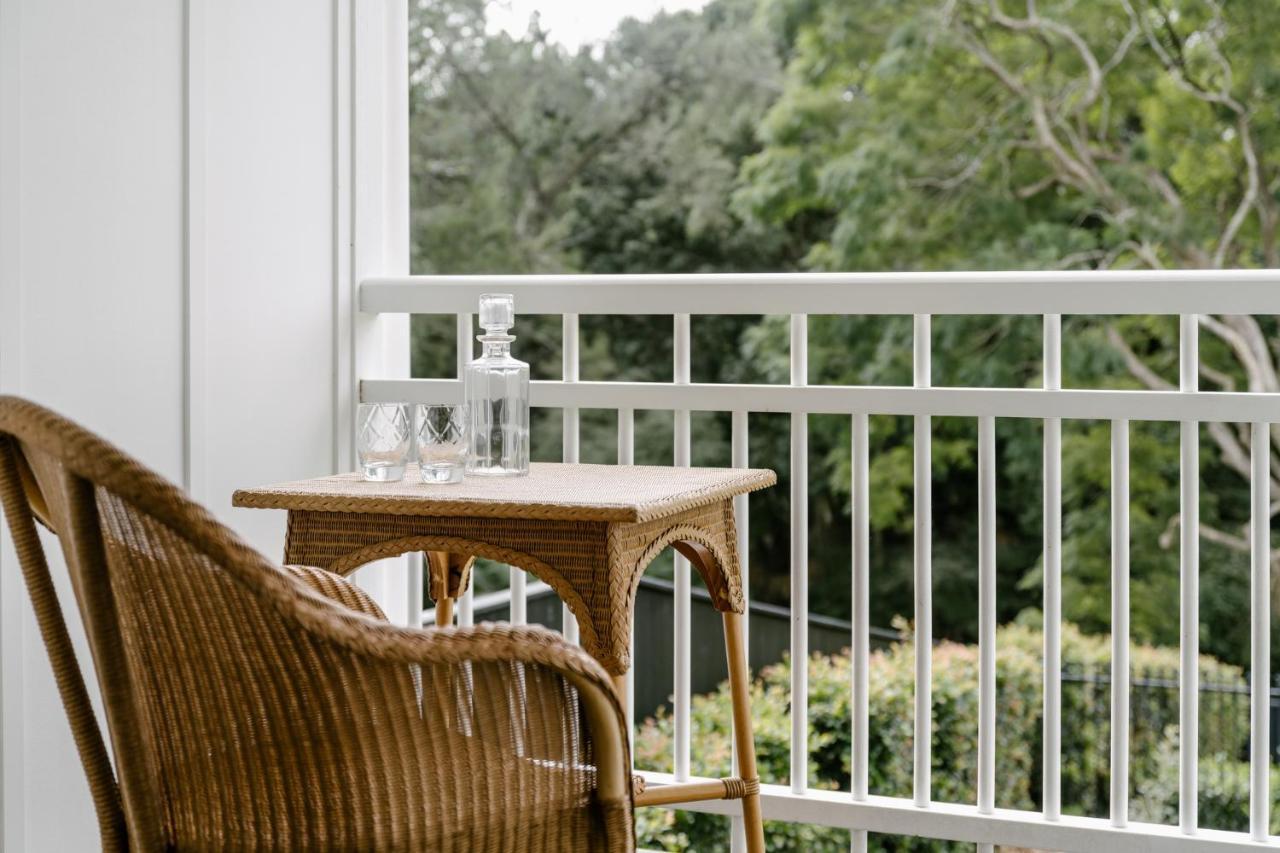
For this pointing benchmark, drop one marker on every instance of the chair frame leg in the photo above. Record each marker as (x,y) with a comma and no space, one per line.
(743,738)
(444,612)
(438,577)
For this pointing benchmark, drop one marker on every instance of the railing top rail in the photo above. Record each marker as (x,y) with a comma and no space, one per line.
(1222,407)
(1005,292)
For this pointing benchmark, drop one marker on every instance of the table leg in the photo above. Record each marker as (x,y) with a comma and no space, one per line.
(438,586)
(444,612)
(744,741)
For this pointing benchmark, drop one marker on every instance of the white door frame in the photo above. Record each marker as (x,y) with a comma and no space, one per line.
(371,221)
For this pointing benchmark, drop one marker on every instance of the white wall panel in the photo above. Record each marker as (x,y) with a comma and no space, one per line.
(98,231)
(127,185)
(101,218)
(268,244)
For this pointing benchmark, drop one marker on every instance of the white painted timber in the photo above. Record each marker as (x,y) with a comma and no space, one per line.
(682,664)
(1260,633)
(1189,584)
(92,316)
(740,452)
(464,351)
(1066,292)
(881,400)
(922,463)
(627,456)
(1119,623)
(569,436)
(958,822)
(799,475)
(167,278)
(986,615)
(1051,785)
(860,648)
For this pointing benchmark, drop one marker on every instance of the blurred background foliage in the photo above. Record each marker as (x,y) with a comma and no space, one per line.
(1086,778)
(788,135)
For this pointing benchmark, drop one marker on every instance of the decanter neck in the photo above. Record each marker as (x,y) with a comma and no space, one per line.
(496,345)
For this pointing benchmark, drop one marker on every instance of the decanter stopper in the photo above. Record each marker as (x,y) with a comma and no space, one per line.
(497,312)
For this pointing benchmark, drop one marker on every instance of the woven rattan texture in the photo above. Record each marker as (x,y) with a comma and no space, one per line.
(575,492)
(594,566)
(338,588)
(255,708)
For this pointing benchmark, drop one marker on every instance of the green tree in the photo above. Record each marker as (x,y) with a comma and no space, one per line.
(965,135)
(922,134)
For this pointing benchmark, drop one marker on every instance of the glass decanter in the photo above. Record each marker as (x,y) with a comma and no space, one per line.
(497,396)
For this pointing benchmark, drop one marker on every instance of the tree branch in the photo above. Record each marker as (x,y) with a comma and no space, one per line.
(1234,455)
(495,118)
(1036,24)
(1213,534)
(1252,180)
(1136,366)
(1246,339)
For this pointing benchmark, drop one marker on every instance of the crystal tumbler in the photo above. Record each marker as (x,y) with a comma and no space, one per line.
(382,440)
(442,442)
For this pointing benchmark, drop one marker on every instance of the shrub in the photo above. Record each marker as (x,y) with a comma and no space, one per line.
(954,744)
(1223,794)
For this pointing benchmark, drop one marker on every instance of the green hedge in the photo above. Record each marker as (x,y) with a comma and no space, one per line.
(955,708)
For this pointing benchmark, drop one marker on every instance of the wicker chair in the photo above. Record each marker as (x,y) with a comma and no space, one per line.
(257,707)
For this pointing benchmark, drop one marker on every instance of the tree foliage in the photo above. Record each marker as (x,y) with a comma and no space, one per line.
(885,135)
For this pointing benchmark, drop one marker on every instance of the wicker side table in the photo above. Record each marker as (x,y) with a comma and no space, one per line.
(587,531)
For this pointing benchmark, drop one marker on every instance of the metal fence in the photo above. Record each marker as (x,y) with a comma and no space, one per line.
(769,638)
(1187,294)
(1225,739)
(1154,703)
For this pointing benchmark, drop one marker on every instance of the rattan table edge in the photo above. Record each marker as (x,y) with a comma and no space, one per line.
(269,497)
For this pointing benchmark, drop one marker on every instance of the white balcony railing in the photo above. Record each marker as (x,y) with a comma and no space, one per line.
(1186,293)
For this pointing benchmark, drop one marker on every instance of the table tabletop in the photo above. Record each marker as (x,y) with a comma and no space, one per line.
(552,490)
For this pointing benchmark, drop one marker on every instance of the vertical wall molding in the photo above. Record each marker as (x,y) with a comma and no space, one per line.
(12,595)
(394,58)
(371,221)
(10,198)
(194,421)
(344,393)
(371,198)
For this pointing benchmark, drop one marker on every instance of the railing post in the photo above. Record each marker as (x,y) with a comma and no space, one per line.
(739,450)
(627,456)
(569,433)
(923,522)
(464,335)
(1120,623)
(1189,611)
(986,619)
(860,649)
(683,593)
(1260,633)
(799,562)
(1052,737)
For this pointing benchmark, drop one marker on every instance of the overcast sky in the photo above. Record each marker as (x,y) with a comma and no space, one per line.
(577,22)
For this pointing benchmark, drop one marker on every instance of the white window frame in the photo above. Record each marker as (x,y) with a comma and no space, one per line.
(371,185)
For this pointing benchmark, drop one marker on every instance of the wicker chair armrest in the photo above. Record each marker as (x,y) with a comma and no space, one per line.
(337,588)
(367,632)
(304,602)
